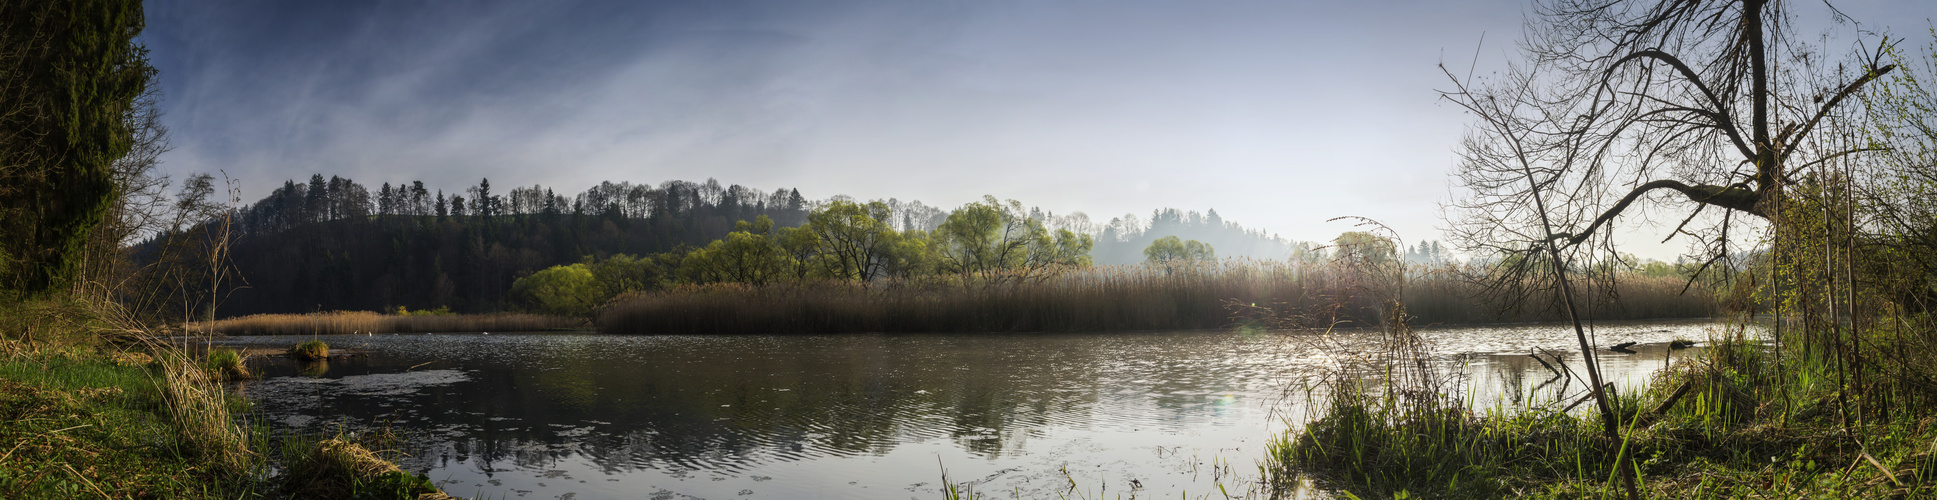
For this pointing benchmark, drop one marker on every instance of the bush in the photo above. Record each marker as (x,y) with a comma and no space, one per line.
(561,290)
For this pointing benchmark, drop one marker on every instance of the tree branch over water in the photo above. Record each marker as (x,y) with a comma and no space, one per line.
(1619,102)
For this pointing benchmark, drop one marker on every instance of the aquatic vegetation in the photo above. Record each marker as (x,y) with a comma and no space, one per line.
(225,364)
(312,350)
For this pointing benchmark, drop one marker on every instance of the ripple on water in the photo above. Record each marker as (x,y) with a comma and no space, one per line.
(853,416)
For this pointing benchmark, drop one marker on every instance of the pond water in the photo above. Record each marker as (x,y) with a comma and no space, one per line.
(1122,415)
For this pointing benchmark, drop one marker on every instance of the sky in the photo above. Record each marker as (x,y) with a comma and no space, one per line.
(1280,115)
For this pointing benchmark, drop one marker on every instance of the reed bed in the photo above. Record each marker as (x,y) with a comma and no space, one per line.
(1104,298)
(363,322)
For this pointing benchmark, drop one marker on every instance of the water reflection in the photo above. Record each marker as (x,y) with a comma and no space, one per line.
(850,416)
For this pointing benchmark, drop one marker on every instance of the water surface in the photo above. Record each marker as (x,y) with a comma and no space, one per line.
(1136,415)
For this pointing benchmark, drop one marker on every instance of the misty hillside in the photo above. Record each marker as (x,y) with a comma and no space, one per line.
(335,244)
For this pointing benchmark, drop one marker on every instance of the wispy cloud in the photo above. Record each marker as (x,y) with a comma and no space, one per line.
(1278,114)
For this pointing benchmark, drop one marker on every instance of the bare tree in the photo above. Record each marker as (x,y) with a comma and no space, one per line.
(1684,104)
(139,207)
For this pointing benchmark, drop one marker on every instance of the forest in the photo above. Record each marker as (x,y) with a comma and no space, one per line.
(334,244)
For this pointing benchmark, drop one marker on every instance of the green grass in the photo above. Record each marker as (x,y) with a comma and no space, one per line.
(82,425)
(225,364)
(89,409)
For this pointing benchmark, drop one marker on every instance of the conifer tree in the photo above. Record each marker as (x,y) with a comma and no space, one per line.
(73,72)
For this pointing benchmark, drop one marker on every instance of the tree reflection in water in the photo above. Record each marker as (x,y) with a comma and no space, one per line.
(831,416)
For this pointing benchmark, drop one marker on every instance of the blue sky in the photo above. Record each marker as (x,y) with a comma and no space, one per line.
(1280,115)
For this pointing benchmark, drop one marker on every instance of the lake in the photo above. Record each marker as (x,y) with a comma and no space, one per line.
(1131,415)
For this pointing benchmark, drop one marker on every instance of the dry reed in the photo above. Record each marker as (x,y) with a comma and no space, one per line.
(359,322)
(1104,298)
(199,407)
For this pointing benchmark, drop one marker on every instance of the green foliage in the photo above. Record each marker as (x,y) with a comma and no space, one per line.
(1658,269)
(993,241)
(622,273)
(1364,248)
(801,245)
(1902,195)
(439,311)
(854,238)
(750,254)
(82,425)
(1171,250)
(74,71)
(561,290)
(912,256)
(577,290)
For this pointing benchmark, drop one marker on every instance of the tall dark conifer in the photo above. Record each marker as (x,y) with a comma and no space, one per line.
(73,72)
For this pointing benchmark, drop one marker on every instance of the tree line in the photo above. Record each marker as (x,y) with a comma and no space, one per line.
(986,243)
(332,243)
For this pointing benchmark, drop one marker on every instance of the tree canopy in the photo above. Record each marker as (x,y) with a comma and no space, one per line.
(1172,250)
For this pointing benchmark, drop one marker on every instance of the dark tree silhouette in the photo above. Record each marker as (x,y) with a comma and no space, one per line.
(70,73)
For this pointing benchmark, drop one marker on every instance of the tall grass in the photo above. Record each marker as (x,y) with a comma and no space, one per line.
(226,364)
(356,322)
(201,408)
(1104,298)
(80,423)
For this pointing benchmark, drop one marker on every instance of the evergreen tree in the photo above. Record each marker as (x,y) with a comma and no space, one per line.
(73,72)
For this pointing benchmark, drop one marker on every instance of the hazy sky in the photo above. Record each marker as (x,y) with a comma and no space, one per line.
(1280,115)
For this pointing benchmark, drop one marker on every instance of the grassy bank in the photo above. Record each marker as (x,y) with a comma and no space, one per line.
(1105,298)
(93,409)
(359,322)
(84,425)
(1745,419)
(90,407)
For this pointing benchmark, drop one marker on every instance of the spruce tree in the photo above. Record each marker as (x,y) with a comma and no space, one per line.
(74,70)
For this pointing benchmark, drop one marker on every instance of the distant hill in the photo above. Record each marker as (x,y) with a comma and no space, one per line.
(1122,240)
(335,244)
